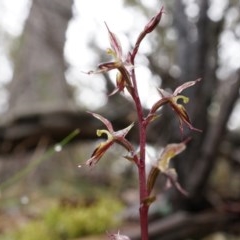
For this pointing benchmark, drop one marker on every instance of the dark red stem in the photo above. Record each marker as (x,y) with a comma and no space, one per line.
(143,193)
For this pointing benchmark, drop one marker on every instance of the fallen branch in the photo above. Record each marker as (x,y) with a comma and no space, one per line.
(182,225)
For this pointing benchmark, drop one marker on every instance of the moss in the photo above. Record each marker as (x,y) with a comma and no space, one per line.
(36,230)
(68,222)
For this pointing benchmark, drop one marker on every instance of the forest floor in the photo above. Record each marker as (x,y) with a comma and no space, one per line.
(57,186)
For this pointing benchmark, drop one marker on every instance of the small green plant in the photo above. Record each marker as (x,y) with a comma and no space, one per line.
(35,230)
(126,80)
(70,222)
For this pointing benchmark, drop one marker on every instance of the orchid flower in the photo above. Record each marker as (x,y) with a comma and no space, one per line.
(120,63)
(112,137)
(163,168)
(172,100)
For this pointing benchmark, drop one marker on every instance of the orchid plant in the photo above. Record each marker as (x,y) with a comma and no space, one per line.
(126,80)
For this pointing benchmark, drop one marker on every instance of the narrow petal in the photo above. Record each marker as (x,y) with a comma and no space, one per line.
(169,152)
(164,93)
(158,104)
(173,178)
(125,143)
(115,43)
(107,66)
(150,118)
(184,86)
(92,161)
(152,176)
(104,67)
(183,116)
(104,120)
(125,75)
(120,81)
(116,90)
(123,132)
(98,152)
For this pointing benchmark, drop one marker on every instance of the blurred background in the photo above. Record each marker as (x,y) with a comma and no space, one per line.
(46,132)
